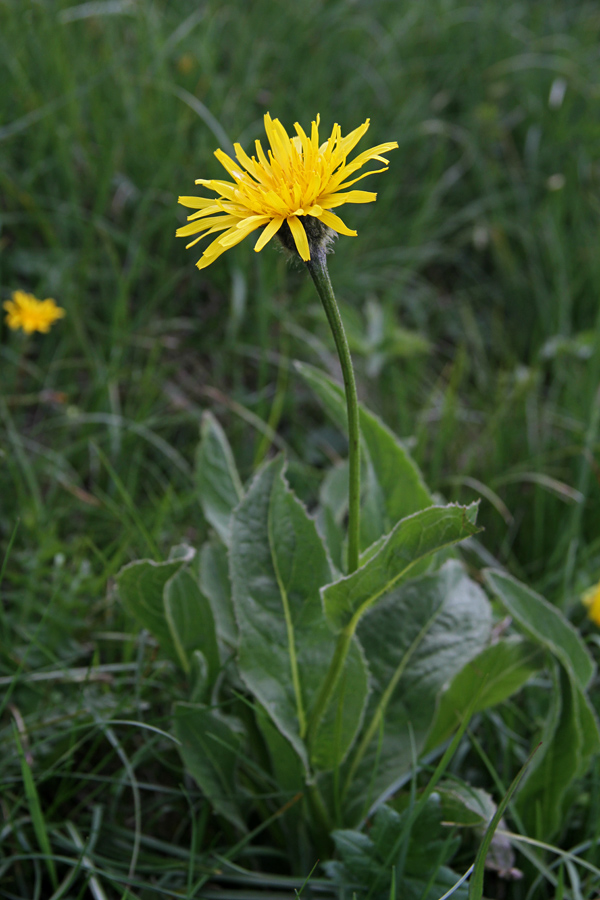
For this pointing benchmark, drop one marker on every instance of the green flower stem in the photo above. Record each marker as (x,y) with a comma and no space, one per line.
(317,266)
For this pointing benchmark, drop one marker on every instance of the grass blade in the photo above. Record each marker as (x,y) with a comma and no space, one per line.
(36,813)
(476,883)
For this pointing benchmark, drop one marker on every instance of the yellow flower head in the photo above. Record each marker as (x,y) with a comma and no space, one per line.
(296,179)
(26,312)
(591,599)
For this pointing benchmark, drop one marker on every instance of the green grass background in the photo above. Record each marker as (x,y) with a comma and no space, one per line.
(470,295)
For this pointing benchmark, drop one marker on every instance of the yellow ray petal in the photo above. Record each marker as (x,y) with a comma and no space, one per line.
(253,220)
(328,148)
(204,224)
(278,204)
(202,213)
(299,235)
(271,230)
(366,156)
(279,141)
(332,185)
(196,202)
(347,144)
(250,165)
(241,231)
(314,132)
(206,234)
(264,162)
(221,187)
(219,244)
(374,152)
(206,260)
(305,142)
(333,221)
(333,200)
(233,167)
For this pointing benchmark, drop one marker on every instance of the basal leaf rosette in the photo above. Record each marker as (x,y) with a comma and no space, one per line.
(298,181)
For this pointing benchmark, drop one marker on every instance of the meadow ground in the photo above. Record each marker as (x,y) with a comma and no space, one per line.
(471,302)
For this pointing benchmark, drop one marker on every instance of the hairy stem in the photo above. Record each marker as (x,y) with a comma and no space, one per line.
(317,266)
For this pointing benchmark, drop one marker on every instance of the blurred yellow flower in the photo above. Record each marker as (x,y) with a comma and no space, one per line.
(591,599)
(26,312)
(186,63)
(298,178)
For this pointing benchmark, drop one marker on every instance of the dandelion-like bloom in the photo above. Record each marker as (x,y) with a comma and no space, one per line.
(591,599)
(297,178)
(27,312)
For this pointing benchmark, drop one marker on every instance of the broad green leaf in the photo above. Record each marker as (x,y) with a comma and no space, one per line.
(373,521)
(332,511)
(190,621)
(286,765)
(429,844)
(372,550)
(141,586)
(415,641)
(464,805)
(412,541)
(217,479)
(200,683)
(545,623)
(210,748)
(288,773)
(368,861)
(278,565)
(550,719)
(355,864)
(590,731)
(182,552)
(337,729)
(403,490)
(333,535)
(215,584)
(329,392)
(393,485)
(334,491)
(495,674)
(566,756)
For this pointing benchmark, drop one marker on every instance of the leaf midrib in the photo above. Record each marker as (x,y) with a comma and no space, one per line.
(386,696)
